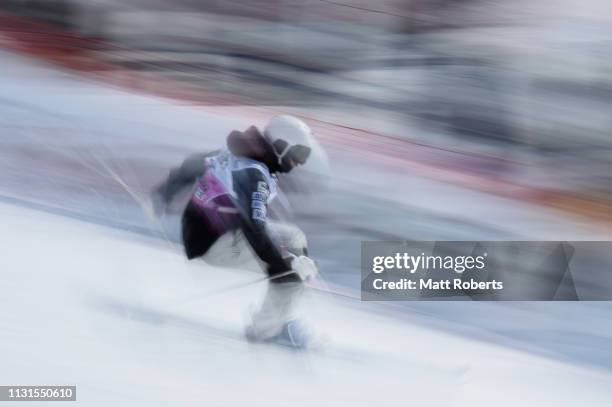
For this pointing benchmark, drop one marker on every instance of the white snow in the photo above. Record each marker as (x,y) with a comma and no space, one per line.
(105,310)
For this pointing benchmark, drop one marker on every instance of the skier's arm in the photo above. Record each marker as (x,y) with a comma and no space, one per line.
(182,177)
(253,191)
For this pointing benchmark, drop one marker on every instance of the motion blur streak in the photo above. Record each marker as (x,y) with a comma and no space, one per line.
(442,120)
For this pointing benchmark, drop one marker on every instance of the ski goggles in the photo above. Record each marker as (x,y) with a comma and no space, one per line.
(298,153)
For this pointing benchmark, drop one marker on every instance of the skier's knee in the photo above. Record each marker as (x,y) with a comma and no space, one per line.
(298,245)
(291,237)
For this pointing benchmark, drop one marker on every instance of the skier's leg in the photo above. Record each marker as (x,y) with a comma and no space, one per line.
(289,237)
(232,250)
(197,235)
(281,303)
(278,308)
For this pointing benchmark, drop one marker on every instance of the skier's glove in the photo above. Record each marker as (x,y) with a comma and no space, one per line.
(305,267)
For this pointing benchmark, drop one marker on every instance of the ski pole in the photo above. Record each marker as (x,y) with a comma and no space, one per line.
(234,287)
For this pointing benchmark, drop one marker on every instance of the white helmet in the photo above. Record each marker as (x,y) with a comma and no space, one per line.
(291,140)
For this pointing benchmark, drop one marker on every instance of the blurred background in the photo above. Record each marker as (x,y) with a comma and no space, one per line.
(517,93)
(441,119)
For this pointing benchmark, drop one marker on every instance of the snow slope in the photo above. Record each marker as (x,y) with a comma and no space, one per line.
(105,310)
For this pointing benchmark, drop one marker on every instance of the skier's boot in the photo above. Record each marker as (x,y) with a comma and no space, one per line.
(296,334)
(276,312)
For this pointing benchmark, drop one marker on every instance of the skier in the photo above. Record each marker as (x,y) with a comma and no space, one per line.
(233,188)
